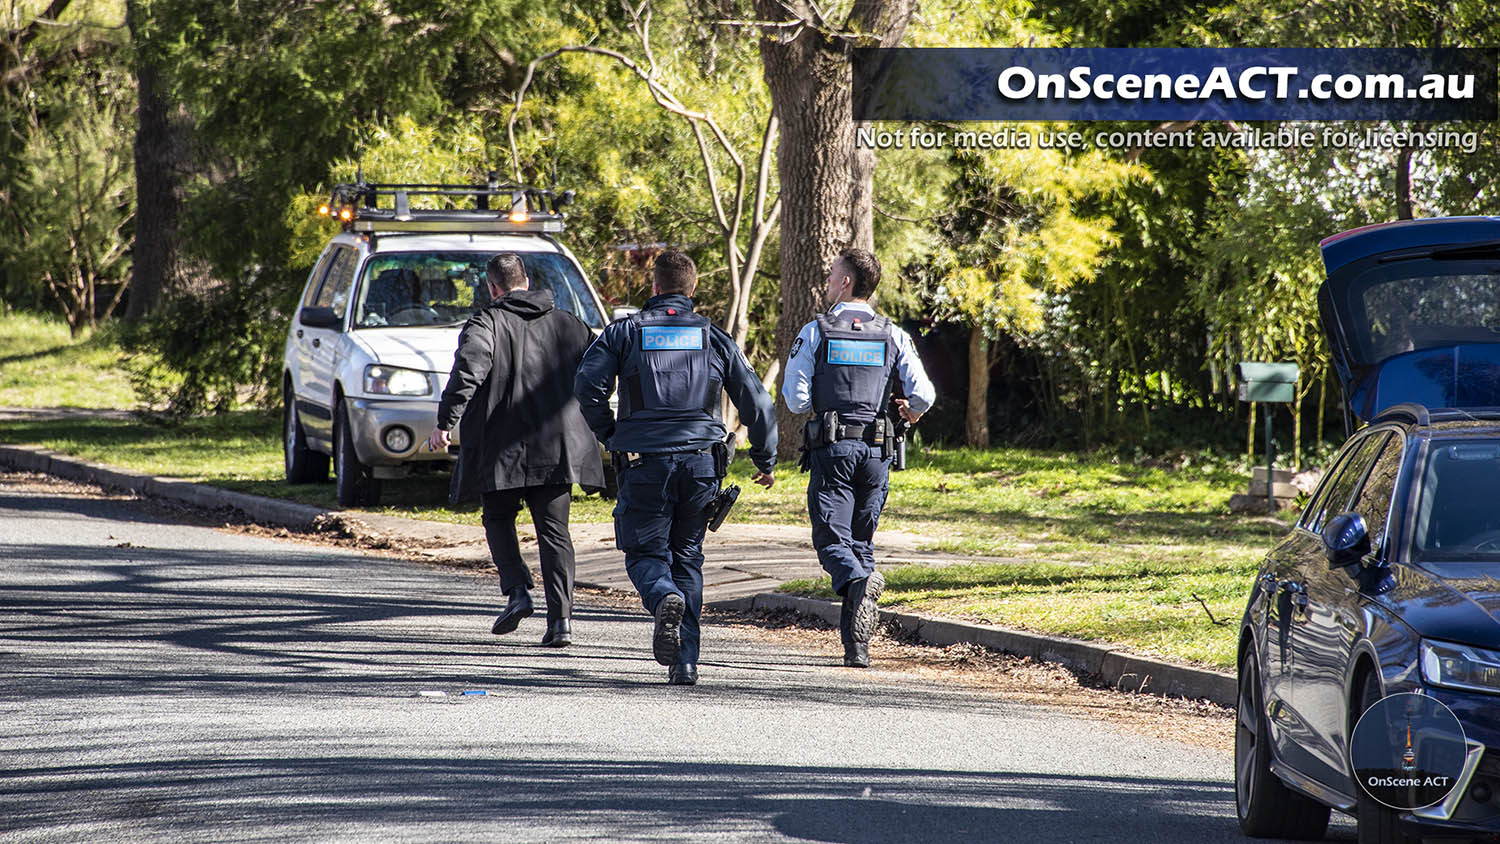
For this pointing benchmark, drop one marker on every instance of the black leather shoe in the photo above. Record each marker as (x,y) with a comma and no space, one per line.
(666,641)
(682,674)
(559,634)
(518,608)
(857,654)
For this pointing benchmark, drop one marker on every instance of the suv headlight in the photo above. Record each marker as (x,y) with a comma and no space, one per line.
(395,381)
(1461,666)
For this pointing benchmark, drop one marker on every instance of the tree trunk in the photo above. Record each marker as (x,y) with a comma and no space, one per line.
(1403,184)
(160,161)
(884,21)
(809,81)
(977,416)
(1250,437)
(808,73)
(862,199)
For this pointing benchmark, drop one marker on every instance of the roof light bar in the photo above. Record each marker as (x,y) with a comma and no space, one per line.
(528,209)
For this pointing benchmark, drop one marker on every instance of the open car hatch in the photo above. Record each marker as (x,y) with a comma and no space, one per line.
(1412,313)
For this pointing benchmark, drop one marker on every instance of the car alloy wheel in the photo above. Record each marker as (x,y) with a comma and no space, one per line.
(1377,823)
(353,484)
(1266,807)
(303,465)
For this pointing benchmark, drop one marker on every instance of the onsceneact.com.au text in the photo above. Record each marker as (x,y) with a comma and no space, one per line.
(1251,83)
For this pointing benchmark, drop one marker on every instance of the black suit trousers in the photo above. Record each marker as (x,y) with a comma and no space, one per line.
(549,514)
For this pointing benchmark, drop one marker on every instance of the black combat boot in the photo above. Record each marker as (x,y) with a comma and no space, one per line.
(857,618)
(666,640)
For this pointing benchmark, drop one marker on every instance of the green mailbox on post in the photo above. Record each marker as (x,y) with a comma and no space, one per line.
(1268,382)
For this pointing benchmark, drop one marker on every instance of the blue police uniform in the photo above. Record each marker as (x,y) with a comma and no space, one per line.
(671,365)
(844,366)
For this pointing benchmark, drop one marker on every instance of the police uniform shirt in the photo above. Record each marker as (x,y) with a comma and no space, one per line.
(796,385)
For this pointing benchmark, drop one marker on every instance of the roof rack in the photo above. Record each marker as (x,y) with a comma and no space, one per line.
(523,209)
(1422,415)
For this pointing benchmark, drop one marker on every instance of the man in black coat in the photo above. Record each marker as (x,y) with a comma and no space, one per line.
(522,436)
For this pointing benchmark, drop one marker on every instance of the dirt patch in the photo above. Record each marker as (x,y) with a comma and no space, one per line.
(1022,679)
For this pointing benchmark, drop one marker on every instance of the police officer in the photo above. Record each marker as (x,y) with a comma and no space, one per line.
(844,366)
(667,445)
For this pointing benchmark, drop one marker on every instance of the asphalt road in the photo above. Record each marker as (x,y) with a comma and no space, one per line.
(168,682)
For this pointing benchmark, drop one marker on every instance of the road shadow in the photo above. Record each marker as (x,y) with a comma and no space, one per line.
(314,622)
(521,799)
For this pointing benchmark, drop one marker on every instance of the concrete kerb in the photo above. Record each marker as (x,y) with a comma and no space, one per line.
(1116,669)
(256,507)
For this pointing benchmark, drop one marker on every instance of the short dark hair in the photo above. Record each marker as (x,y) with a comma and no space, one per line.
(506,271)
(674,272)
(864,269)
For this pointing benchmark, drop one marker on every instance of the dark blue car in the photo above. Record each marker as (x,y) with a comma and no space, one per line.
(1390,581)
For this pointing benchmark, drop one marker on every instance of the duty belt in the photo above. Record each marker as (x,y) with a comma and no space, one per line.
(633,458)
(830,428)
(855,432)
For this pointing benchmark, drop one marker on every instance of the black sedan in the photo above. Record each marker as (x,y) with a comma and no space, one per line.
(1388,586)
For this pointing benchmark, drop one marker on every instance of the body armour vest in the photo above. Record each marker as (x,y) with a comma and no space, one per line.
(852,367)
(668,373)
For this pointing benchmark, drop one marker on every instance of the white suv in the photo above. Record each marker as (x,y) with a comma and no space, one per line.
(368,353)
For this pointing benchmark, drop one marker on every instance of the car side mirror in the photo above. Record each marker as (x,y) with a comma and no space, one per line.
(319,318)
(1346,540)
(620,313)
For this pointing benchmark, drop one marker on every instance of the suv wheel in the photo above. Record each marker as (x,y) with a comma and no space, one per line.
(1267,808)
(1378,823)
(353,483)
(303,465)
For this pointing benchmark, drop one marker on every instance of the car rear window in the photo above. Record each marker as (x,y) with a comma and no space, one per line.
(1458,513)
(1405,306)
(445,288)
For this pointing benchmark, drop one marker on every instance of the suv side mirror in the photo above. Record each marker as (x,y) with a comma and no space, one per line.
(319,318)
(1346,539)
(619,313)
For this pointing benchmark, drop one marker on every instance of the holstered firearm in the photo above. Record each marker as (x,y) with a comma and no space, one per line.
(718,509)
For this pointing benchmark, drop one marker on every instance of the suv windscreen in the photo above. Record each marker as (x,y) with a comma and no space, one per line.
(446,288)
(1458,517)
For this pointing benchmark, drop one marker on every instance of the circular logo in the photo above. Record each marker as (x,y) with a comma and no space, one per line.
(1407,751)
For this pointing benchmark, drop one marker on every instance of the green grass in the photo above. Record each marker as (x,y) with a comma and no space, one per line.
(1095,548)
(1147,607)
(241,451)
(42,366)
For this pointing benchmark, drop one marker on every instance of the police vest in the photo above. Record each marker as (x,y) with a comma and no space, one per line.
(668,372)
(852,367)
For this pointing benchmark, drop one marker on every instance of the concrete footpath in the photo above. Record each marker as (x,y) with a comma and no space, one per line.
(744,566)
